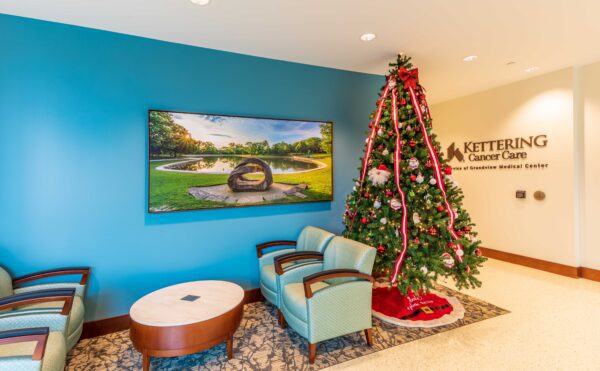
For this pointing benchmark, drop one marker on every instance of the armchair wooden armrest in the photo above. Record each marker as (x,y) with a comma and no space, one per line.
(261,246)
(40,296)
(294,256)
(37,334)
(84,271)
(330,274)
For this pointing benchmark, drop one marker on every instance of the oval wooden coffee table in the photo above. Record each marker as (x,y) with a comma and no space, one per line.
(186,318)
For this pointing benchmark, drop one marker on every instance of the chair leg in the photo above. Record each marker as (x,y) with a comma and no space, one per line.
(281,319)
(369,336)
(312,353)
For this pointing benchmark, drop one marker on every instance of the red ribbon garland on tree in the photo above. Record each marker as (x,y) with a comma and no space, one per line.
(369,146)
(397,175)
(410,79)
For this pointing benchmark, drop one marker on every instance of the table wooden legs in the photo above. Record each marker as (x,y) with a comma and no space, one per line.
(145,361)
(230,346)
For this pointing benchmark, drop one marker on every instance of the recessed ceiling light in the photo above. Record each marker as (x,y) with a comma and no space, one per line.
(532,69)
(200,2)
(470,58)
(368,37)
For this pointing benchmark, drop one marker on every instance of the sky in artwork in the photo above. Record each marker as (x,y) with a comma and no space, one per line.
(222,130)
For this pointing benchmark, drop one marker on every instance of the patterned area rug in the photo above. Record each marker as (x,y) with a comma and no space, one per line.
(260,344)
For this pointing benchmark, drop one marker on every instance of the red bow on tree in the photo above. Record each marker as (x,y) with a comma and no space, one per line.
(409,77)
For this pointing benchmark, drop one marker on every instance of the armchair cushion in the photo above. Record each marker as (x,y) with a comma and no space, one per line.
(75,324)
(6,287)
(295,300)
(313,239)
(18,356)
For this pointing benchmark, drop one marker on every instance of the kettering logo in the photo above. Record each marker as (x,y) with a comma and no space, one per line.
(496,150)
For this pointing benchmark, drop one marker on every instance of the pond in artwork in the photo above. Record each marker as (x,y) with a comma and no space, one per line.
(225,164)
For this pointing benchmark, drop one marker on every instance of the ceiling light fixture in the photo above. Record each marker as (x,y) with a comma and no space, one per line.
(200,2)
(368,37)
(532,69)
(470,58)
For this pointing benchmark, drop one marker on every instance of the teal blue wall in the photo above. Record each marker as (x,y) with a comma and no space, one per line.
(73,118)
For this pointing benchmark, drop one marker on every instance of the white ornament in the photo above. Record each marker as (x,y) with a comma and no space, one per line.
(460,253)
(383,221)
(416,218)
(420,178)
(413,163)
(395,204)
(380,132)
(424,270)
(392,83)
(408,128)
(377,204)
(385,152)
(397,233)
(354,188)
(432,181)
(378,177)
(367,140)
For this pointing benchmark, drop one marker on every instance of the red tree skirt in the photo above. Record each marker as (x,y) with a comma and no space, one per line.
(415,311)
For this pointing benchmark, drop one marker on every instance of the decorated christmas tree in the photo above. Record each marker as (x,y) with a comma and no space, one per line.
(406,202)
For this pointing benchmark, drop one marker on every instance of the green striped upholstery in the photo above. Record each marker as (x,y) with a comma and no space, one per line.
(310,239)
(6,287)
(75,325)
(79,289)
(338,306)
(17,357)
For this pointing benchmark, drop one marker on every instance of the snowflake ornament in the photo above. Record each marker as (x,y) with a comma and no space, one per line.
(377,204)
(385,152)
(420,178)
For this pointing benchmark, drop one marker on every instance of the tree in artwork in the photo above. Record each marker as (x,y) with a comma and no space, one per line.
(406,202)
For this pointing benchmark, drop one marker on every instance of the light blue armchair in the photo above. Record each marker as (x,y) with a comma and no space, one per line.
(311,239)
(21,285)
(46,327)
(324,300)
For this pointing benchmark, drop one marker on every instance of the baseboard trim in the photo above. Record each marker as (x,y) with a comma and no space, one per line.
(544,265)
(119,323)
(589,273)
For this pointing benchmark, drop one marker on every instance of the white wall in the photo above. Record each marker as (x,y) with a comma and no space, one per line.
(590,256)
(539,105)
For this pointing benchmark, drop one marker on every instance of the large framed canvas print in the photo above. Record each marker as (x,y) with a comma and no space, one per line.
(206,161)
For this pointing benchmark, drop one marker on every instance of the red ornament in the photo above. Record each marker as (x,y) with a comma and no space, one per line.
(402,101)
(428,164)
(451,245)
(417,241)
(468,269)
(389,193)
(370,125)
(460,233)
(380,147)
(477,252)
(448,170)
(412,143)
(364,220)
(417,128)
(413,178)
(466,229)
(432,231)
(367,195)
(390,133)
(440,208)
(381,248)
(383,167)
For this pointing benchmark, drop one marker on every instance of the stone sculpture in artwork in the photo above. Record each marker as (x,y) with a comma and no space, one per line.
(238,182)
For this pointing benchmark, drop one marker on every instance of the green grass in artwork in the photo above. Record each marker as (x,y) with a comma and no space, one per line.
(168,190)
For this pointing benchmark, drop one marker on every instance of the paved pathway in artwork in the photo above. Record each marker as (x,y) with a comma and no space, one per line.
(222,193)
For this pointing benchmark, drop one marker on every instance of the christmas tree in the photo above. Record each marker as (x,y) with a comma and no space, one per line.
(406,201)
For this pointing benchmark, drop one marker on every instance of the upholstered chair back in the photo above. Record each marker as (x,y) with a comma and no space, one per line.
(6,287)
(342,253)
(313,239)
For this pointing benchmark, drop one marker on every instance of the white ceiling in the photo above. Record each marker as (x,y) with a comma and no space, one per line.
(551,34)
